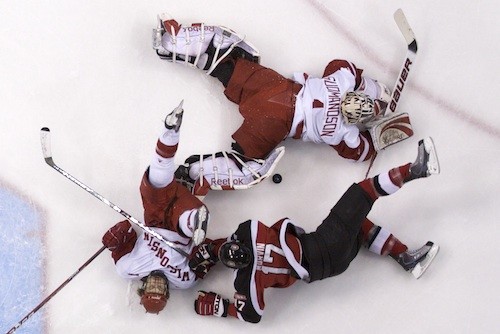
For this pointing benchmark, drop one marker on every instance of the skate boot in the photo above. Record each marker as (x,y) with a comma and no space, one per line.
(201,223)
(427,162)
(417,261)
(199,45)
(181,175)
(174,119)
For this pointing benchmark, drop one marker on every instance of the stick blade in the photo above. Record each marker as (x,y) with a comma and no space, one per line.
(405,29)
(45,141)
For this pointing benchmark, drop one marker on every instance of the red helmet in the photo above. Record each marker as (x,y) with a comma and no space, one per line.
(154,292)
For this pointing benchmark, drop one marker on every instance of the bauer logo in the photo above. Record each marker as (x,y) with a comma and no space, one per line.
(400,85)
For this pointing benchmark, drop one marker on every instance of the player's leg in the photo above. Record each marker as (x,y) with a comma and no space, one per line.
(225,171)
(266,102)
(382,242)
(389,182)
(329,250)
(162,167)
(379,240)
(199,45)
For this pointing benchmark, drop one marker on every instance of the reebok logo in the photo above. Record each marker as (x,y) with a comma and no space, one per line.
(225,182)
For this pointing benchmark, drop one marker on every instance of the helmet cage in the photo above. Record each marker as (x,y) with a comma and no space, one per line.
(356,107)
(154,292)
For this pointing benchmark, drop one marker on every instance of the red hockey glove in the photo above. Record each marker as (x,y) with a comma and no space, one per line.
(118,235)
(211,303)
(202,259)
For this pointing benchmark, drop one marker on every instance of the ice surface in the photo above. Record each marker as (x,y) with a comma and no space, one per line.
(86,70)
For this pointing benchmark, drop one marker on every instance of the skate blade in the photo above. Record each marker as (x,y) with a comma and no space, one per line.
(433,163)
(174,119)
(422,266)
(199,232)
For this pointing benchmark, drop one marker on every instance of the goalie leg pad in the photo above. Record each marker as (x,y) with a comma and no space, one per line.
(228,171)
(198,45)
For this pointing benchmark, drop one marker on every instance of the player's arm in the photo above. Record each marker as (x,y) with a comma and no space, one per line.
(211,303)
(339,64)
(120,239)
(376,90)
(360,149)
(204,257)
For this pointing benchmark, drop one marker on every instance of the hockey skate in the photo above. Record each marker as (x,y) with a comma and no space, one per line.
(201,221)
(174,119)
(427,162)
(417,261)
(199,45)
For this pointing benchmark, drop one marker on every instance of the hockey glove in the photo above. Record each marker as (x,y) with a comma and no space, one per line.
(379,108)
(211,303)
(202,259)
(118,235)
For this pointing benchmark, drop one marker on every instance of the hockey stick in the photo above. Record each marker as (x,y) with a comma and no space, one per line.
(411,41)
(49,297)
(47,154)
(411,53)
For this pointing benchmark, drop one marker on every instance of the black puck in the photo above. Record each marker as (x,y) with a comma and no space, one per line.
(277,178)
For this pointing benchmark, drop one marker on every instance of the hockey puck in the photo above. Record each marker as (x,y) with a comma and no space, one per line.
(277,178)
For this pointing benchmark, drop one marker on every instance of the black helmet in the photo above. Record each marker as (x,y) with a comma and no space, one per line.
(235,254)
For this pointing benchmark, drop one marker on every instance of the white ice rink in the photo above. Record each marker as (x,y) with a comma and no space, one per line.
(87,70)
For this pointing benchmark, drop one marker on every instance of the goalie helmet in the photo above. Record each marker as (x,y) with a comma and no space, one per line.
(356,107)
(154,292)
(234,254)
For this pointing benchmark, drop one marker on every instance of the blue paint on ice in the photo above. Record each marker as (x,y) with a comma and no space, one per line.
(21,263)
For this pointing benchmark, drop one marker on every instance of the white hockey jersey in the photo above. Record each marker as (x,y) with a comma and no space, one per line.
(317,106)
(150,254)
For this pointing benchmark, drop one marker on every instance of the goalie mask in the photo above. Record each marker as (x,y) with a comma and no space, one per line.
(154,292)
(234,254)
(356,108)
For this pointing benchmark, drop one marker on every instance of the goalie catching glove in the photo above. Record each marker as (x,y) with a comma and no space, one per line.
(211,303)
(390,130)
(385,129)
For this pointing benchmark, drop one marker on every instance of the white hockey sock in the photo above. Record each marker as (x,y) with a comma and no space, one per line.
(162,167)
(161,171)
(169,137)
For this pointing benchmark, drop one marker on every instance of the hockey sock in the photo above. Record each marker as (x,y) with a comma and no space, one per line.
(167,142)
(380,241)
(386,183)
(162,167)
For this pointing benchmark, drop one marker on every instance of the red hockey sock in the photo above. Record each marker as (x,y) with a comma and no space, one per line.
(380,241)
(386,183)
(165,151)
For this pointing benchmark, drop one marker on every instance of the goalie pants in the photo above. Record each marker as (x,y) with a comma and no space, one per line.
(164,206)
(266,101)
(330,249)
